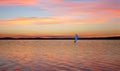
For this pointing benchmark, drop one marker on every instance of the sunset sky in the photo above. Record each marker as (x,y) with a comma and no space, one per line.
(59,18)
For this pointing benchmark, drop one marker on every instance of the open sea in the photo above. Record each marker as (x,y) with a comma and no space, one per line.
(59,55)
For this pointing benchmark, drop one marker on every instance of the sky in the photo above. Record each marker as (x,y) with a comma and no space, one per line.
(59,18)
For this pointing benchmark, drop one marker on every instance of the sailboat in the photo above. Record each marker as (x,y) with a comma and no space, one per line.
(76,38)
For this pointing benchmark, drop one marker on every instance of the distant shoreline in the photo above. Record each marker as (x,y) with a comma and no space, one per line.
(101,38)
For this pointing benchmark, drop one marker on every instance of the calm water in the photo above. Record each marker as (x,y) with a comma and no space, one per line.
(59,55)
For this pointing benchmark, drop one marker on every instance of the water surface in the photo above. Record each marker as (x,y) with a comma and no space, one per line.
(59,55)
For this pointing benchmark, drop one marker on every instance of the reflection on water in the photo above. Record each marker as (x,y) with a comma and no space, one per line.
(59,55)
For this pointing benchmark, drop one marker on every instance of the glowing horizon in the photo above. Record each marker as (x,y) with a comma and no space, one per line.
(59,18)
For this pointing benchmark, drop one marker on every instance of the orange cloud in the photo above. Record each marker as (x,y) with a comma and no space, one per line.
(34,20)
(53,20)
(17,2)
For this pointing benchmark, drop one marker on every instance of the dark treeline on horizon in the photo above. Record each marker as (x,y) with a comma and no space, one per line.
(39,38)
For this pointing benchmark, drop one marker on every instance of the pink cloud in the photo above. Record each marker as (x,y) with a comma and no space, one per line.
(17,2)
(71,7)
(103,10)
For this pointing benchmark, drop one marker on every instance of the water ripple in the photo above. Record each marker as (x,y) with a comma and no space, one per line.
(59,55)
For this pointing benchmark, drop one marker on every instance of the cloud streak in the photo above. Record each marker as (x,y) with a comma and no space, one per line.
(52,20)
(29,20)
(68,5)
(17,2)
(67,11)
